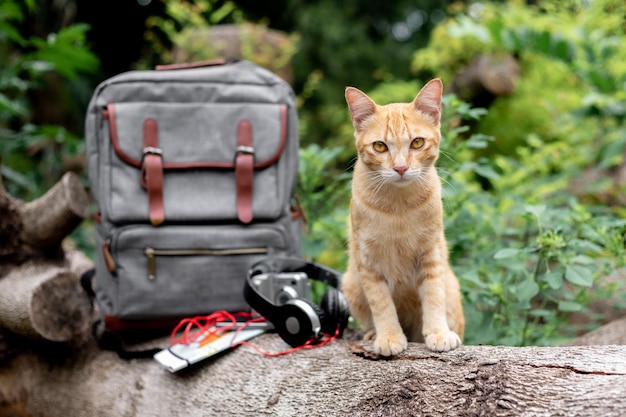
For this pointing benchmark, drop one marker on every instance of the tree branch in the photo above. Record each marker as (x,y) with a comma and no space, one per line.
(50,218)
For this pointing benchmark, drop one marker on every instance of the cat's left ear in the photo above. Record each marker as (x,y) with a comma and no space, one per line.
(428,100)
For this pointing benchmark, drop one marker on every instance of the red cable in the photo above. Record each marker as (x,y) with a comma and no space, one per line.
(206,328)
(204,325)
(310,344)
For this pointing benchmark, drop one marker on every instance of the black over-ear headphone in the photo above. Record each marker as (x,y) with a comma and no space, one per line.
(298,319)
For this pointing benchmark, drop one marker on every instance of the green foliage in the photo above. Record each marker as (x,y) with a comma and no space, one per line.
(324,193)
(570,58)
(33,154)
(181,19)
(526,251)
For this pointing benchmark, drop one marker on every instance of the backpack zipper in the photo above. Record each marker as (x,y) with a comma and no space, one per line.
(152,253)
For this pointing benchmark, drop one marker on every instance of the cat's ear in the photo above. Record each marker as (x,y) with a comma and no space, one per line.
(428,100)
(361,106)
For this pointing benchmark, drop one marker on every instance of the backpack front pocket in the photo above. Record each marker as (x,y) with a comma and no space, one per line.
(179,271)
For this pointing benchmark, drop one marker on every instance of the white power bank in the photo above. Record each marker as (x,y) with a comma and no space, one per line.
(180,356)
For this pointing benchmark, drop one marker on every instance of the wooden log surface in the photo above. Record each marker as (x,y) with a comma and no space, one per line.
(10,224)
(44,300)
(341,379)
(38,227)
(50,218)
(613,333)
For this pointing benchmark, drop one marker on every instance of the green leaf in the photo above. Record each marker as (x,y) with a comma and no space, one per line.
(579,275)
(506,253)
(479,141)
(527,290)
(17,178)
(543,42)
(563,50)
(584,246)
(541,312)
(537,209)
(554,279)
(569,306)
(582,260)
(486,171)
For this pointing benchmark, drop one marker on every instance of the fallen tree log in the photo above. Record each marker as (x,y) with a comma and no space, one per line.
(40,292)
(44,300)
(30,229)
(50,218)
(343,378)
(613,333)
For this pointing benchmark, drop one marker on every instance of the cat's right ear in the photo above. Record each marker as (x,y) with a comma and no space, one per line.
(428,100)
(361,106)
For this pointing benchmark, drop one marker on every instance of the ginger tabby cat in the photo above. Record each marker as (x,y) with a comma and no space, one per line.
(398,282)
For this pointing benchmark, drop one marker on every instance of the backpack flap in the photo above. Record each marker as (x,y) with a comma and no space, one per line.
(194,162)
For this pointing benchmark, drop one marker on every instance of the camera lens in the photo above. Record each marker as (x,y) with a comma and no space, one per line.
(285,294)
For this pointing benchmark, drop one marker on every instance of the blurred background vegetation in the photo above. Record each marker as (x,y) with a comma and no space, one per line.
(533,158)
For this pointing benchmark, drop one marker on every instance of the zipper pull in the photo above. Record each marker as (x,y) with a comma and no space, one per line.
(151,263)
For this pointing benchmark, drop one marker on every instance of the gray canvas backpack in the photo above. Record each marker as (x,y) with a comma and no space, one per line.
(193,169)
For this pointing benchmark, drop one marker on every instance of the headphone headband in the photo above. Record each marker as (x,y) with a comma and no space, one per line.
(311,269)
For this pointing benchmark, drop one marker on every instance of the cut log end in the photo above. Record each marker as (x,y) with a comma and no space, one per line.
(60,310)
(45,301)
(75,195)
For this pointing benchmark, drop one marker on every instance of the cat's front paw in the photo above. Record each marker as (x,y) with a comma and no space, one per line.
(443,341)
(390,345)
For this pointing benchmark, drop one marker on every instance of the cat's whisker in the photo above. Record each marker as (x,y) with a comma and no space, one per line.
(378,183)
(443,178)
(448,156)
(351,164)
(448,183)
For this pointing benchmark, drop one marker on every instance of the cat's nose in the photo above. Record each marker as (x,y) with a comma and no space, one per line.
(401,170)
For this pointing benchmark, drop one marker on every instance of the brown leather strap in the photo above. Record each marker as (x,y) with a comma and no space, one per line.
(152,171)
(198,64)
(244,171)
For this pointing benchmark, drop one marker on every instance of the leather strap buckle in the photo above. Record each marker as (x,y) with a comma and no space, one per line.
(152,151)
(245,149)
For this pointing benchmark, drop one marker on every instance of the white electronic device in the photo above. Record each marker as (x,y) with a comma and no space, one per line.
(180,356)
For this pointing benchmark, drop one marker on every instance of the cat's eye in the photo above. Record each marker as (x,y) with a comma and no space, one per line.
(418,143)
(379,147)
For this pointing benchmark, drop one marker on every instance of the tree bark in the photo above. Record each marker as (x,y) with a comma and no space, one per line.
(39,227)
(10,225)
(44,300)
(485,79)
(40,293)
(50,218)
(613,333)
(342,378)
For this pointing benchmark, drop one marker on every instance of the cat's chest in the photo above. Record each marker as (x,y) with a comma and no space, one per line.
(401,226)
(399,240)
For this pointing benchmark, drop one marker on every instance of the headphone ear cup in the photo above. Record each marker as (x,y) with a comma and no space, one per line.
(336,312)
(300,321)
